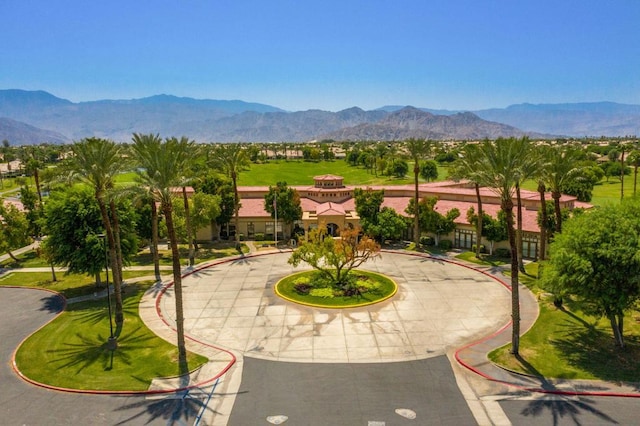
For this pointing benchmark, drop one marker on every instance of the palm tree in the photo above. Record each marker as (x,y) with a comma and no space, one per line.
(417,150)
(527,169)
(162,164)
(465,168)
(563,164)
(634,160)
(500,167)
(232,159)
(96,162)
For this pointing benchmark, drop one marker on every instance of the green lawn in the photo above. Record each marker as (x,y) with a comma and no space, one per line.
(566,343)
(69,285)
(298,172)
(71,350)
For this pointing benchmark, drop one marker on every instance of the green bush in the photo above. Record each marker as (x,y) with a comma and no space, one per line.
(445,244)
(427,241)
(259,236)
(503,252)
(483,249)
(326,292)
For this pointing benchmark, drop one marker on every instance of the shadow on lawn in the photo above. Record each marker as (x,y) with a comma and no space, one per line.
(52,304)
(593,349)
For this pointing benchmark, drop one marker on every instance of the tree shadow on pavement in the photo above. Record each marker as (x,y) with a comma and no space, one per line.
(560,407)
(182,407)
(52,304)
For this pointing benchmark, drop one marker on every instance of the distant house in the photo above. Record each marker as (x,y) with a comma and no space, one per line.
(329,203)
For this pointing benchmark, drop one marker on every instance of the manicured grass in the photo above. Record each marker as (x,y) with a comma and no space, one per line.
(485,259)
(69,285)
(385,288)
(205,252)
(567,343)
(71,351)
(298,172)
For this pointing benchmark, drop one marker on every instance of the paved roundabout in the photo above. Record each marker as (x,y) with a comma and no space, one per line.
(439,305)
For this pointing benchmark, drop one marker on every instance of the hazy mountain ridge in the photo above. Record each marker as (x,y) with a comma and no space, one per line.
(55,119)
(13,130)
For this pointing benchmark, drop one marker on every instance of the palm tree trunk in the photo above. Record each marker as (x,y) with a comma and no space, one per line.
(36,177)
(543,227)
(177,286)
(556,207)
(236,209)
(192,256)
(416,210)
(622,175)
(519,230)
(154,240)
(117,287)
(116,237)
(616,326)
(507,207)
(479,222)
(635,179)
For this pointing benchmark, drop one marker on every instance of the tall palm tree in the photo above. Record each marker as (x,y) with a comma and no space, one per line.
(417,149)
(634,160)
(563,164)
(96,162)
(500,167)
(527,170)
(465,168)
(161,166)
(232,159)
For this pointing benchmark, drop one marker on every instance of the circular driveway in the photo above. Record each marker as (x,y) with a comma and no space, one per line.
(439,305)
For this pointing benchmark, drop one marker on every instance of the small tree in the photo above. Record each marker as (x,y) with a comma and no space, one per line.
(287,203)
(391,225)
(494,229)
(429,170)
(433,221)
(335,258)
(368,205)
(14,229)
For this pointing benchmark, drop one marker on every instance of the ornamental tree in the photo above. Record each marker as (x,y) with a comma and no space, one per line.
(286,201)
(335,258)
(597,259)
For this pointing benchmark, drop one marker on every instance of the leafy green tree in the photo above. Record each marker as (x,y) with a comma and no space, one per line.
(29,200)
(75,231)
(14,229)
(429,170)
(597,259)
(494,229)
(286,201)
(232,159)
(205,210)
(221,186)
(335,258)
(160,169)
(397,167)
(433,221)
(96,162)
(391,225)
(368,205)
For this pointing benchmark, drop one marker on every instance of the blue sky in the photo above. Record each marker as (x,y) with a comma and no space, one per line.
(330,54)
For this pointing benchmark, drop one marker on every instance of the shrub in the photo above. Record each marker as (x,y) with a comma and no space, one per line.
(482,248)
(259,236)
(427,241)
(503,252)
(325,292)
(445,244)
(302,288)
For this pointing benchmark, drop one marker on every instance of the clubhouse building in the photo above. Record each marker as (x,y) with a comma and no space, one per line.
(330,203)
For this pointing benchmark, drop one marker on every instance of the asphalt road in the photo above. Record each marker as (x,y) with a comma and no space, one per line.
(350,394)
(22,311)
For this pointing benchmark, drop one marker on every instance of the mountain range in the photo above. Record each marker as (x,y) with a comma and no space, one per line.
(29,117)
